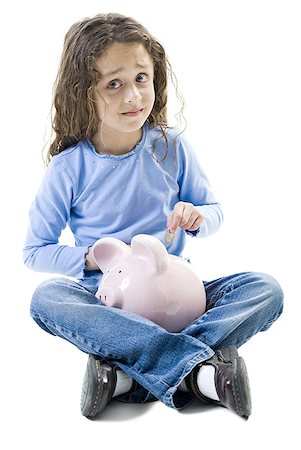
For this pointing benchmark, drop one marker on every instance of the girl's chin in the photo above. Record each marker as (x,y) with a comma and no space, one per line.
(125,124)
(131,126)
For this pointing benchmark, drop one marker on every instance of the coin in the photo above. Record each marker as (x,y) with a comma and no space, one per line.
(169,237)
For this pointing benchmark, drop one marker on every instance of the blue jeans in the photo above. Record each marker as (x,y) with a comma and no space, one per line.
(238,306)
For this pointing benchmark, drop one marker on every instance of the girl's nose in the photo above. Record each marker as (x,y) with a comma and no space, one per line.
(132,95)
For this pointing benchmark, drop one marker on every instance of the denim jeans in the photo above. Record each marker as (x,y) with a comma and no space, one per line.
(238,306)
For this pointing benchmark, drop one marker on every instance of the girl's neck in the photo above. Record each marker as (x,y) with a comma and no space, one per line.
(117,143)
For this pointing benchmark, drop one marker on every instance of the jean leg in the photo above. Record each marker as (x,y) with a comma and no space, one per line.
(238,306)
(157,359)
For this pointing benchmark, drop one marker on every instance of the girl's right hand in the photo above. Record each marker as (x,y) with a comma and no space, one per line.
(90,261)
(184,215)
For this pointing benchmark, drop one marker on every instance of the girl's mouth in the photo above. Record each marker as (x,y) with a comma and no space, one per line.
(134,113)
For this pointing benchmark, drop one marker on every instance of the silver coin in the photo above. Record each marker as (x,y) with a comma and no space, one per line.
(169,237)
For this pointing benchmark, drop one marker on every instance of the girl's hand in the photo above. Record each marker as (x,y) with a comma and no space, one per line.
(91,264)
(90,261)
(184,215)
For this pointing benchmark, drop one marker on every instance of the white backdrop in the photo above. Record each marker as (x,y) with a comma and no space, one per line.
(238,67)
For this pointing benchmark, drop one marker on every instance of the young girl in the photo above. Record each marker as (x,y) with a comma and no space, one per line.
(116,169)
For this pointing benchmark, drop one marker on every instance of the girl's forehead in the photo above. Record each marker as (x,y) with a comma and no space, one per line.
(120,55)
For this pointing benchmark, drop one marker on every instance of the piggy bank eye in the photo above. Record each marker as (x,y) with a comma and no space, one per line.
(119,271)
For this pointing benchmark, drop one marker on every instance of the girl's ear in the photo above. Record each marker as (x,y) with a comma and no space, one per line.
(152,250)
(108,252)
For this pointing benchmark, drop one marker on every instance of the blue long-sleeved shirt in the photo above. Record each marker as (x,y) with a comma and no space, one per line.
(99,195)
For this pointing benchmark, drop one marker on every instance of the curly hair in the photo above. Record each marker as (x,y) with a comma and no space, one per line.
(75,117)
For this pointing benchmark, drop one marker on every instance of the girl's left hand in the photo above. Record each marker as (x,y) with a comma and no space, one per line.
(184,215)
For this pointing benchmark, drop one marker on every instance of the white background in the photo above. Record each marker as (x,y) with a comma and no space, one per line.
(238,67)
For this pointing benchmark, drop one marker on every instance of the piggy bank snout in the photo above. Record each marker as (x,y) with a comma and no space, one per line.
(110,296)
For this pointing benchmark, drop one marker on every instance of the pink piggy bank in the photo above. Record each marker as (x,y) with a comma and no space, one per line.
(144,279)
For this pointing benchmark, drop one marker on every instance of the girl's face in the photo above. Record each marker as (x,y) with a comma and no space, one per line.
(125,92)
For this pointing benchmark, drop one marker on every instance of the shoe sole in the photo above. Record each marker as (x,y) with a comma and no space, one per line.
(97,388)
(241,389)
(240,382)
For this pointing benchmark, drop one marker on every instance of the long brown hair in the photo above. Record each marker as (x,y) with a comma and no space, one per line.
(75,116)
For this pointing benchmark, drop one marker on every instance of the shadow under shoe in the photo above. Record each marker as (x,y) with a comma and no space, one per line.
(231,381)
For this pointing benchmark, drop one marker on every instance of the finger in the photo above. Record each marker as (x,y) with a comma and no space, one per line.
(194,220)
(189,215)
(169,220)
(176,217)
(190,222)
(196,224)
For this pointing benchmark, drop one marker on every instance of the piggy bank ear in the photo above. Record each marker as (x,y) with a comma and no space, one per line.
(108,252)
(152,250)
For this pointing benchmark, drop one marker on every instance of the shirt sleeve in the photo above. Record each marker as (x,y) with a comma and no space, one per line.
(48,216)
(195,188)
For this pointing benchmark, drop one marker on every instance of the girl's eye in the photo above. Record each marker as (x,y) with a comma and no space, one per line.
(142,77)
(115,84)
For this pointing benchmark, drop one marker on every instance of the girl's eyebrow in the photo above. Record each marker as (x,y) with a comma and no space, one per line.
(120,69)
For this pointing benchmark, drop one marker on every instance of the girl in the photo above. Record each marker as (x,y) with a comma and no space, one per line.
(116,169)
